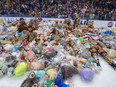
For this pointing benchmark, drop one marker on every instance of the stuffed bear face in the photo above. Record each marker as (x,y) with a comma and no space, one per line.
(35,85)
(32,75)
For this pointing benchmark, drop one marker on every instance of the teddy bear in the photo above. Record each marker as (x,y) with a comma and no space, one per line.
(30,81)
(111,52)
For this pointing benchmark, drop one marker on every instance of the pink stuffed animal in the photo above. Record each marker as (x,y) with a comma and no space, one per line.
(49,48)
(36,65)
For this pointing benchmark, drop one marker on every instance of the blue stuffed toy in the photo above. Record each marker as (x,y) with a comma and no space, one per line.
(59,81)
(40,74)
(16,47)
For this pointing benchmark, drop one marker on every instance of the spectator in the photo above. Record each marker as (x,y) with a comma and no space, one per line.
(90,9)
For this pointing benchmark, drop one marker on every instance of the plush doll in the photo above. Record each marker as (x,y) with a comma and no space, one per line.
(21,30)
(35,85)
(21,69)
(40,74)
(49,54)
(16,47)
(95,56)
(63,42)
(43,81)
(86,45)
(93,50)
(79,64)
(111,62)
(60,81)
(112,44)
(100,50)
(36,64)
(57,39)
(76,16)
(11,61)
(87,74)
(3,42)
(22,55)
(73,47)
(49,83)
(67,71)
(111,52)
(30,81)
(8,47)
(76,22)
(10,71)
(22,25)
(49,47)
(34,21)
(104,54)
(51,73)
(82,60)
(37,50)
(85,30)
(31,36)
(85,53)
(89,62)
(3,67)
(90,26)
(67,23)
(30,55)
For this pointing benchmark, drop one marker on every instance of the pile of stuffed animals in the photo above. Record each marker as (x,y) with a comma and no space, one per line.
(52,53)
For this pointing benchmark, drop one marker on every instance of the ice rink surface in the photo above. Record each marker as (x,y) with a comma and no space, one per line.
(105,78)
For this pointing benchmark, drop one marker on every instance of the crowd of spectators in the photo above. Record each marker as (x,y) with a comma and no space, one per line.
(87,9)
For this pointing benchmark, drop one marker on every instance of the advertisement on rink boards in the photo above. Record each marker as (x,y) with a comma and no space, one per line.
(97,23)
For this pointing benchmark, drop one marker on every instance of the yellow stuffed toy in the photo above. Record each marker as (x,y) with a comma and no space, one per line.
(51,73)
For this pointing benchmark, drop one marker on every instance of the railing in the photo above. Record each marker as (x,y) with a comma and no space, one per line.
(97,23)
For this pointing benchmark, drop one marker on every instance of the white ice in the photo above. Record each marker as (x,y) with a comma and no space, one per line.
(105,78)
